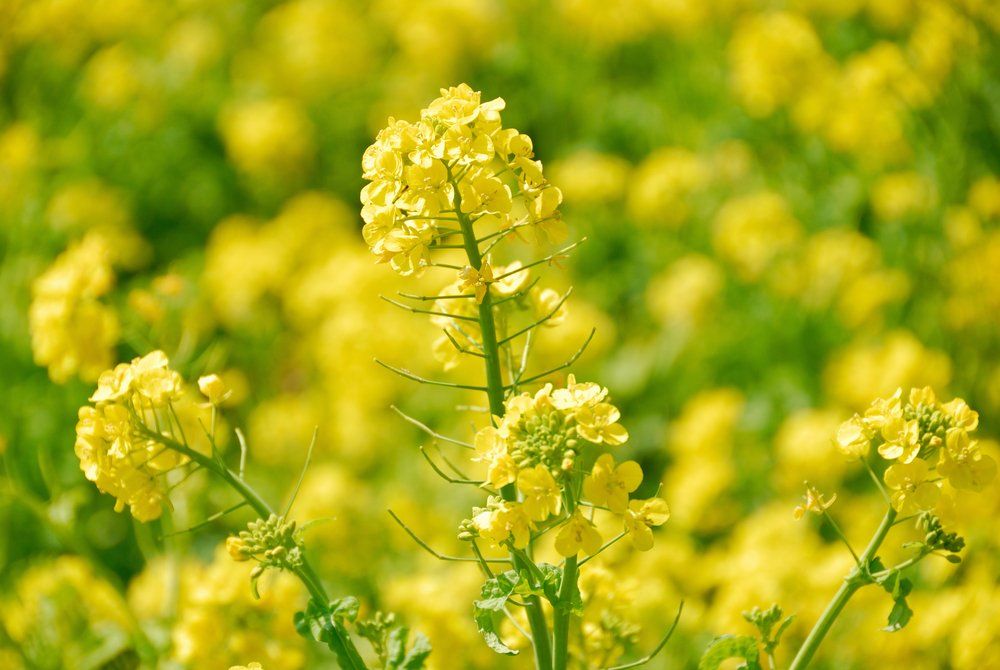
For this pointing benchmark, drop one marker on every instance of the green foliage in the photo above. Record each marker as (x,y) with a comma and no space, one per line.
(389,640)
(726,647)
(495,594)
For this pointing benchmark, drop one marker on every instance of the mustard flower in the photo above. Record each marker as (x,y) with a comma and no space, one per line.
(853,439)
(456,160)
(73,333)
(610,485)
(814,502)
(542,496)
(640,518)
(963,464)
(503,520)
(213,388)
(116,448)
(491,448)
(478,280)
(910,490)
(599,424)
(578,534)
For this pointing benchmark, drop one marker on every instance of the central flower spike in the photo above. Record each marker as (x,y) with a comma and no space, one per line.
(458,159)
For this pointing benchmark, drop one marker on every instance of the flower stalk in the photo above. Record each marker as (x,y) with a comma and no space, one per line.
(857,578)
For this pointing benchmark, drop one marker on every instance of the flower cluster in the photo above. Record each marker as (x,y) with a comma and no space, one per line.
(456,165)
(72,331)
(926,442)
(272,542)
(537,446)
(119,438)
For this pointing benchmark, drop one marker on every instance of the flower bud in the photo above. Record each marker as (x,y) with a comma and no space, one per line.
(213,388)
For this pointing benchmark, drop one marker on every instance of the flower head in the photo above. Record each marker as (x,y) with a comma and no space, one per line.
(814,503)
(641,517)
(578,534)
(610,485)
(542,496)
(911,492)
(457,163)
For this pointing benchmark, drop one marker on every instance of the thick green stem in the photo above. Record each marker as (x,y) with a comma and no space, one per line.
(560,626)
(495,393)
(854,581)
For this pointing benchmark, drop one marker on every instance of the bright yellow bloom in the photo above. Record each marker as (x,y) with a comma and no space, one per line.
(610,485)
(963,464)
(491,448)
(578,534)
(911,492)
(814,503)
(478,280)
(73,333)
(252,666)
(599,424)
(456,159)
(504,520)
(213,388)
(576,395)
(542,496)
(641,517)
(852,438)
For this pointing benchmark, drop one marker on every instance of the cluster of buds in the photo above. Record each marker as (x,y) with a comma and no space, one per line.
(272,542)
(937,538)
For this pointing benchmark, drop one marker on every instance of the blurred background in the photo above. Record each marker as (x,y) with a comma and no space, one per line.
(791,208)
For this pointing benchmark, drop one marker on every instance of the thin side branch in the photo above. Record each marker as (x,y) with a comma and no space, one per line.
(445,476)
(202,524)
(532,326)
(441,557)
(651,655)
(427,429)
(302,474)
(418,310)
(572,359)
(402,372)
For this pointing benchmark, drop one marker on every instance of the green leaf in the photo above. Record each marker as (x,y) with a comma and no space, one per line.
(345,609)
(495,593)
(418,653)
(395,646)
(899,616)
(315,624)
(725,647)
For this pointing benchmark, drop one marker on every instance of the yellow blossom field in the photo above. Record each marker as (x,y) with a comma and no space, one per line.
(489,334)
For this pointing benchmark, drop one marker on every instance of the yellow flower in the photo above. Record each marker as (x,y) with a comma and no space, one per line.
(814,503)
(852,438)
(478,280)
(491,448)
(542,497)
(599,424)
(578,533)
(911,492)
(902,440)
(504,520)
(235,547)
(252,666)
(610,485)
(575,395)
(963,464)
(213,388)
(963,416)
(640,518)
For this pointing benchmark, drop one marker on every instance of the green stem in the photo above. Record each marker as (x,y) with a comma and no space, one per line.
(305,573)
(854,581)
(560,626)
(495,393)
